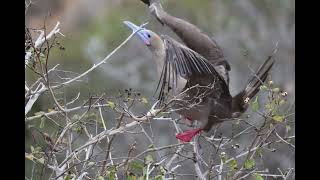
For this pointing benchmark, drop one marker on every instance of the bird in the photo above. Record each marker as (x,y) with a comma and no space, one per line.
(198,69)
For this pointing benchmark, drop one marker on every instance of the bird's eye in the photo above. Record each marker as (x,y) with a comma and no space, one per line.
(149,36)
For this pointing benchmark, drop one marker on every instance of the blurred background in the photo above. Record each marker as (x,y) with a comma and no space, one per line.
(246,30)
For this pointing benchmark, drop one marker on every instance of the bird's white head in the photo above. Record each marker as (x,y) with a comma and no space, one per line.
(148,37)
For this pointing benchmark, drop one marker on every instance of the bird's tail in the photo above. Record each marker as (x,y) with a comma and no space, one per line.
(240,101)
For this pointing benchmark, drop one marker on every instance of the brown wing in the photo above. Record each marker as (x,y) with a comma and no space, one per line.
(183,61)
(193,38)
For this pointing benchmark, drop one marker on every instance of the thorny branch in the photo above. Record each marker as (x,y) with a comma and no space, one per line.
(87,142)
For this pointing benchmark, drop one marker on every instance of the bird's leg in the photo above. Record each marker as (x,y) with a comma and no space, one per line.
(157,11)
(188,120)
(188,135)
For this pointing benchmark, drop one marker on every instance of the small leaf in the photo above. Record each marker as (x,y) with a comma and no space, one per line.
(136,165)
(282,101)
(111,172)
(75,117)
(32,149)
(288,128)
(77,129)
(50,110)
(41,160)
(270,83)
(144,100)
(131,176)
(151,146)
(111,104)
(40,113)
(269,106)
(162,170)
(234,164)
(148,159)
(29,156)
(159,177)
(42,121)
(276,90)
(37,149)
(263,87)
(278,118)
(223,157)
(258,176)
(255,104)
(91,163)
(100,178)
(67,177)
(249,164)
(259,152)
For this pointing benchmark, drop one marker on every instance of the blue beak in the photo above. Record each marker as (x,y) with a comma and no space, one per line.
(142,33)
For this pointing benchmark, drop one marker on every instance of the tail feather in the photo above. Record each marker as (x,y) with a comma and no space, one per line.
(239,104)
(257,79)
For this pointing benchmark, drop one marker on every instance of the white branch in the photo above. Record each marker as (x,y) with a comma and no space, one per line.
(196,164)
(105,59)
(82,175)
(41,39)
(39,90)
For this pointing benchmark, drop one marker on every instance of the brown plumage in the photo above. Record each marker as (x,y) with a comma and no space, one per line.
(199,65)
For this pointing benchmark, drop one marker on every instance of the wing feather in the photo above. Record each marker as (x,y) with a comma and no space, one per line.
(184,62)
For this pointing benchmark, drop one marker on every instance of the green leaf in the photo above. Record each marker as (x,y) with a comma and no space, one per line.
(276,90)
(131,177)
(100,178)
(42,122)
(136,165)
(37,149)
(263,87)
(159,177)
(32,149)
(234,164)
(75,117)
(223,157)
(111,173)
(40,113)
(162,170)
(270,83)
(144,100)
(258,176)
(77,128)
(288,128)
(67,177)
(249,164)
(111,104)
(151,146)
(91,163)
(269,106)
(41,160)
(148,159)
(259,152)
(255,104)
(278,118)
(29,156)
(282,101)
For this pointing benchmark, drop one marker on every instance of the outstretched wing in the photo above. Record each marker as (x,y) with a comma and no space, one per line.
(182,61)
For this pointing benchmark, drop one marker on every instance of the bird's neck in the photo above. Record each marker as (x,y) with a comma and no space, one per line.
(159,55)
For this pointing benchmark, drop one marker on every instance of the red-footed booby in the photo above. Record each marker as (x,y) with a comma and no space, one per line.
(199,65)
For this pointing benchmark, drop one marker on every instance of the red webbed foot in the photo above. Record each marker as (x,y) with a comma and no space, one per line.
(188,135)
